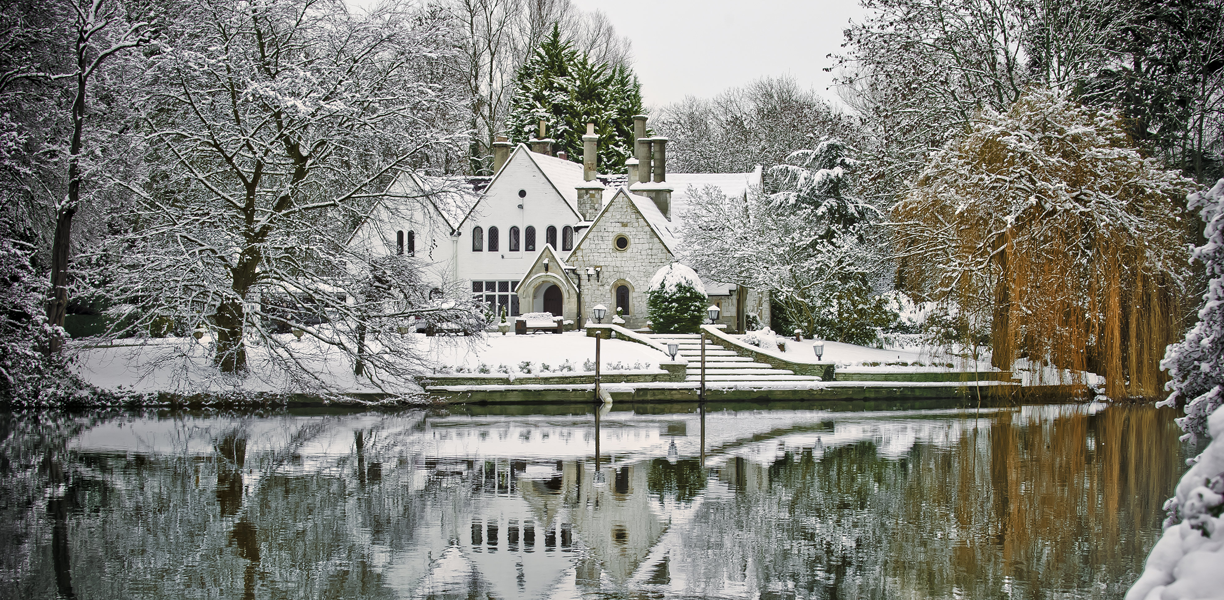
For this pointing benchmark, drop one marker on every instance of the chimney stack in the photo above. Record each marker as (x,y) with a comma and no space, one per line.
(590,153)
(542,145)
(659,146)
(563,155)
(501,152)
(641,146)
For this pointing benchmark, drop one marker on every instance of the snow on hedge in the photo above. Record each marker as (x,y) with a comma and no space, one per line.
(1188,561)
(673,275)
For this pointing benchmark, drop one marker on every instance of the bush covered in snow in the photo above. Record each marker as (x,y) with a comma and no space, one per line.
(1196,364)
(676,299)
(1186,561)
(765,339)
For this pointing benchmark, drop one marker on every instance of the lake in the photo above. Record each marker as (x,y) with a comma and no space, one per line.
(784,500)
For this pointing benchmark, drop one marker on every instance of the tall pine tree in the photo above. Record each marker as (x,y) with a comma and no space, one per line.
(566,90)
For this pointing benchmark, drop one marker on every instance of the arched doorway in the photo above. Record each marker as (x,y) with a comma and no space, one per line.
(552,300)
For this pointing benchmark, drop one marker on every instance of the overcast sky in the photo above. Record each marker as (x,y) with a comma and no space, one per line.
(702,47)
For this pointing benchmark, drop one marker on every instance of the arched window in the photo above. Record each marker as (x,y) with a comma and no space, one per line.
(493,239)
(529,239)
(550,236)
(514,239)
(477,239)
(622,298)
(411,243)
(399,242)
(567,238)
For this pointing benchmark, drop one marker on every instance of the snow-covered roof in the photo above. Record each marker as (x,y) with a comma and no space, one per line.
(734,185)
(452,196)
(564,174)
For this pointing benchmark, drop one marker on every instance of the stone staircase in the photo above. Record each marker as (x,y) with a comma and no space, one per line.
(725,367)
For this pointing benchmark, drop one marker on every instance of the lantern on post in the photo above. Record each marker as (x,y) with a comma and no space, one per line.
(818,348)
(600,310)
(712,312)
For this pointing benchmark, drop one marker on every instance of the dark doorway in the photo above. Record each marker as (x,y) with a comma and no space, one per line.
(622,298)
(552,300)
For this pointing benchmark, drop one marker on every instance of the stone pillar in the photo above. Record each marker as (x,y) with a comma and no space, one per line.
(590,153)
(632,166)
(501,152)
(659,160)
(541,144)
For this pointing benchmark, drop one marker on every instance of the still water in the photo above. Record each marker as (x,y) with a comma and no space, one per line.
(724,501)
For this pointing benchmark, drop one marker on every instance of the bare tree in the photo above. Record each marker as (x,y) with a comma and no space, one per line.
(272,125)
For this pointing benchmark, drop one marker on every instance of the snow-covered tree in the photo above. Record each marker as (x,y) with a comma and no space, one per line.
(1196,364)
(1047,223)
(274,126)
(676,300)
(565,89)
(806,243)
(758,124)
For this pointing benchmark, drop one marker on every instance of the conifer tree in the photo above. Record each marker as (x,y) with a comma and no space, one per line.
(566,89)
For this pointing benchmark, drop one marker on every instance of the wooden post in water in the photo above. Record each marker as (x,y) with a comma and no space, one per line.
(701,407)
(598,336)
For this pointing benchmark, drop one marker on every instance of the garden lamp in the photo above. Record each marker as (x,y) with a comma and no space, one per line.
(590,273)
(600,310)
(672,349)
(713,313)
(818,348)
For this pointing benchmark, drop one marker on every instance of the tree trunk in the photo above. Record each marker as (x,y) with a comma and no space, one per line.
(1002,347)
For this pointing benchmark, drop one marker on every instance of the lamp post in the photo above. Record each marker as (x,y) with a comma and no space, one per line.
(818,348)
(712,312)
(577,276)
(672,349)
(600,310)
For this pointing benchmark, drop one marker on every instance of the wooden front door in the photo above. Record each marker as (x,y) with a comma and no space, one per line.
(552,300)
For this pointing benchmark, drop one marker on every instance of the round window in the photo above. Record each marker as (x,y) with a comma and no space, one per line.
(522,193)
(621,242)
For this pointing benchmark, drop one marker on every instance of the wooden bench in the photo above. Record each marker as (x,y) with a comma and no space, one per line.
(532,322)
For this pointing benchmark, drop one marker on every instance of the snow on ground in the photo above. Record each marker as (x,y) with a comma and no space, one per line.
(184,365)
(1187,561)
(572,348)
(890,360)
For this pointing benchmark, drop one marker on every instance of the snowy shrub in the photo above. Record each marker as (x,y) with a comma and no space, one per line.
(483,369)
(588,366)
(764,338)
(1196,364)
(676,300)
(503,369)
(545,368)
(566,366)
(525,367)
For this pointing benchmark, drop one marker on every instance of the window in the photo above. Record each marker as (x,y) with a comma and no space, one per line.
(529,239)
(497,294)
(567,238)
(411,243)
(622,298)
(477,239)
(493,239)
(514,239)
(399,242)
(550,236)
(621,242)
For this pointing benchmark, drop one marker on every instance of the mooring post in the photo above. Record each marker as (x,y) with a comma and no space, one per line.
(598,336)
(702,394)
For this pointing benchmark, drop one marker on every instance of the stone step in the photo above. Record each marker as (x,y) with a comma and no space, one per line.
(735,371)
(722,366)
(709,352)
(753,378)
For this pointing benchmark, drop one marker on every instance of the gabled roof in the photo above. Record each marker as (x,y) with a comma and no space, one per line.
(563,175)
(646,207)
(450,197)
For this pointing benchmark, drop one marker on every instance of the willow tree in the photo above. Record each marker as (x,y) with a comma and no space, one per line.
(1045,225)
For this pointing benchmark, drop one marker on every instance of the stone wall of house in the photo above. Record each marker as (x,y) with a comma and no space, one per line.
(634,266)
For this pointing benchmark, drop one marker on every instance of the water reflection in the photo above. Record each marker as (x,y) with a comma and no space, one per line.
(1028,502)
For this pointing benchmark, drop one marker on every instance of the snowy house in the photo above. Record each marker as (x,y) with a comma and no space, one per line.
(550,235)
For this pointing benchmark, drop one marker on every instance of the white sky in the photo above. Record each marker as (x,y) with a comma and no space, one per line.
(702,47)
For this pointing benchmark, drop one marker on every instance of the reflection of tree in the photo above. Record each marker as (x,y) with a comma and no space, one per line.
(682,481)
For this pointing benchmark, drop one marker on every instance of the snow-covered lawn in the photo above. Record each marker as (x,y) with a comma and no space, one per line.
(894,360)
(569,351)
(183,365)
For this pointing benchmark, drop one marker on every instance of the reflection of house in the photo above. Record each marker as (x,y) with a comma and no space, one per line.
(541,214)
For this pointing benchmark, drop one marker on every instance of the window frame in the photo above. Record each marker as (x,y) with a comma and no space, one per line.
(477,239)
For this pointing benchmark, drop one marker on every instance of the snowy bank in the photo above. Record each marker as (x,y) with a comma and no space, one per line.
(1188,561)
